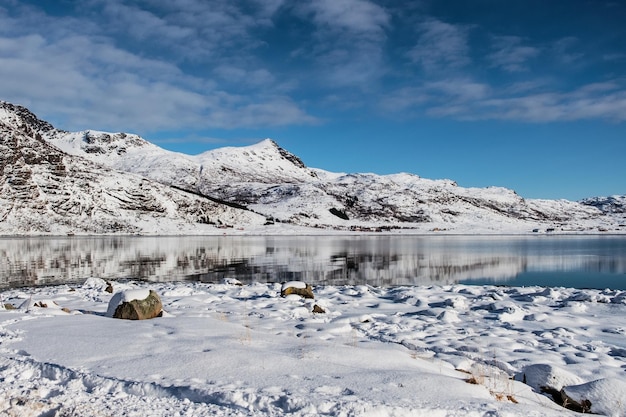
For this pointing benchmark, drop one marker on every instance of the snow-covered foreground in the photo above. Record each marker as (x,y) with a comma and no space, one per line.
(226,349)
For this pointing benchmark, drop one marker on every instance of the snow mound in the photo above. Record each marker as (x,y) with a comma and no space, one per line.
(293,284)
(606,396)
(543,377)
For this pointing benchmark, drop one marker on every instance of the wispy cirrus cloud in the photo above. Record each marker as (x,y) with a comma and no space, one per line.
(85,77)
(347,46)
(450,85)
(464,99)
(440,46)
(592,101)
(361,17)
(187,30)
(150,64)
(510,54)
(565,50)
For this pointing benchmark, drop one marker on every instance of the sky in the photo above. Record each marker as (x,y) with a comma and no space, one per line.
(524,94)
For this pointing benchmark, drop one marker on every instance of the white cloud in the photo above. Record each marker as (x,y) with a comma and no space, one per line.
(360,17)
(348,45)
(464,90)
(464,99)
(566,50)
(587,102)
(592,101)
(268,8)
(526,86)
(404,100)
(510,54)
(147,65)
(191,30)
(619,56)
(273,111)
(440,46)
(253,77)
(81,77)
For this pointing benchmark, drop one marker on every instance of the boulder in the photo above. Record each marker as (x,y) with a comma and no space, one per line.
(298,288)
(319,310)
(135,305)
(603,396)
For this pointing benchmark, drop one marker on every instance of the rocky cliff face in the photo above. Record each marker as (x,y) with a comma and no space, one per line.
(263,178)
(45,190)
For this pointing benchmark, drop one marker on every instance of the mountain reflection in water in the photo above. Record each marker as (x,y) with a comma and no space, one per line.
(320,260)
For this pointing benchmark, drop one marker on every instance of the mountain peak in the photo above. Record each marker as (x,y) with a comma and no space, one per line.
(271,144)
(264,162)
(17,115)
(46,190)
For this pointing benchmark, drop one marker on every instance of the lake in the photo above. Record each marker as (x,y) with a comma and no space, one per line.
(381,260)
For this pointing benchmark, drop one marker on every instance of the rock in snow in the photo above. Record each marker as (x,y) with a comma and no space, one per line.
(297,288)
(605,396)
(135,305)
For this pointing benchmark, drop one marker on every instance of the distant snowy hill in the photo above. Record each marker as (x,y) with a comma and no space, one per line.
(45,190)
(611,204)
(268,180)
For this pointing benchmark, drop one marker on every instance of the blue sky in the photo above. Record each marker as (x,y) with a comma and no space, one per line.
(524,94)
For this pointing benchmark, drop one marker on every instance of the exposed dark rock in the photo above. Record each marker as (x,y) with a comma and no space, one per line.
(27,117)
(602,396)
(147,308)
(319,310)
(301,289)
(42,188)
(339,213)
(580,406)
(612,204)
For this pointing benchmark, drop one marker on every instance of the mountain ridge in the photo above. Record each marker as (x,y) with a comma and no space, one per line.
(276,185)
(44,190)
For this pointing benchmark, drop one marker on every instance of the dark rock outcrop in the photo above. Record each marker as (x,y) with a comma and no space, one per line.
(297,288)
(147,308)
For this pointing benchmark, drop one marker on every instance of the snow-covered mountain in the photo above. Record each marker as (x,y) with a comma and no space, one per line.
(611,204)
(270,181)
(45,190)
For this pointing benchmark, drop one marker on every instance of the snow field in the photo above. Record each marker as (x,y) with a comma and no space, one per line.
(231,349)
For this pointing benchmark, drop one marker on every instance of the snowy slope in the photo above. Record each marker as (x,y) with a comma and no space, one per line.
(44,190)
(611,204)
(275,183)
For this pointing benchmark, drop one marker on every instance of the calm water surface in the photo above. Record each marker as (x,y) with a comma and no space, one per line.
(572,261)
